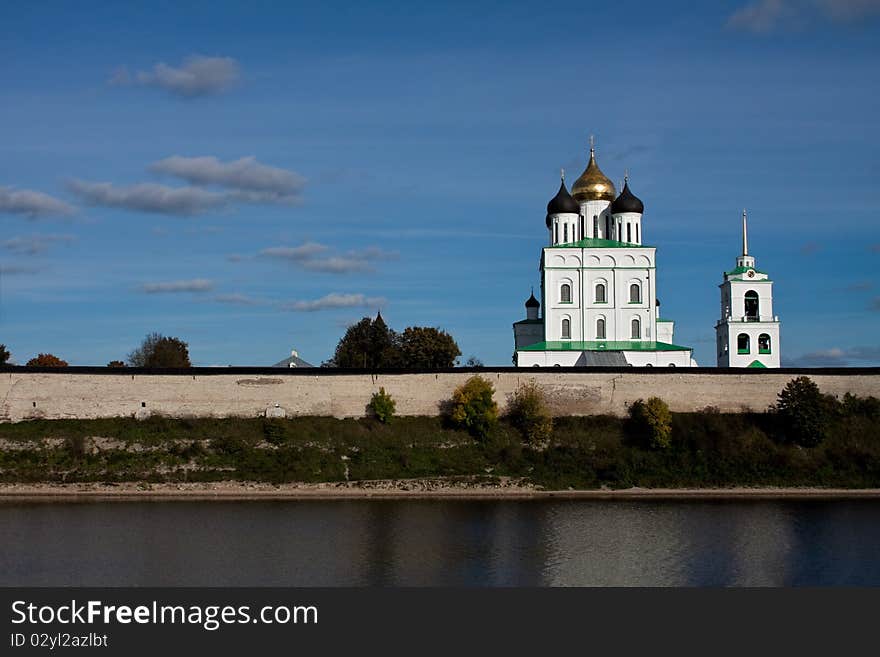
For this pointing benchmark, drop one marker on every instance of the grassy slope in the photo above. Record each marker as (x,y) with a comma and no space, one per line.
(709,449)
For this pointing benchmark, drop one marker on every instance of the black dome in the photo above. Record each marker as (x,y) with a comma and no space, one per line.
(532,302)
(562,203)
(627,202)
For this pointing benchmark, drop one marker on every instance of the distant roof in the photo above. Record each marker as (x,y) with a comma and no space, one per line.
(293,361)
(610,345)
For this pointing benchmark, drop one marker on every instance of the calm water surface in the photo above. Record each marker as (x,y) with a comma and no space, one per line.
(421,543)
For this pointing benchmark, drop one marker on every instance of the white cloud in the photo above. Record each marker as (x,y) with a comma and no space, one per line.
(837,357)
(764,16)
(196,76)
(256,182)
(31,204)
(35,244)
(238,300)
(148,197)
(311,257)
(335,300)
(173,287)
(17,270)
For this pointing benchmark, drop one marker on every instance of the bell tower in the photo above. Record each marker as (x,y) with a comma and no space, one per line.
(747,335)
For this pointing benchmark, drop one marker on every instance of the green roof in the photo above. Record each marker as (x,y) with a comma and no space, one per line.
(593,345)
(757,363)
(666,320)
(593,243)
(743,270)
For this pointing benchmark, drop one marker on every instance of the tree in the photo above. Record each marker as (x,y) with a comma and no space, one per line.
(159,351)
(382,406)
(423,347)
(527,411)
(115,364)
(368,344)
(473,407)
(46,360)
(653,418)
(4,354)
(473,361)
(805,412)
(371,344)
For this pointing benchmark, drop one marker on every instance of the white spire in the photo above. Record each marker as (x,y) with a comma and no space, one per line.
(745,235)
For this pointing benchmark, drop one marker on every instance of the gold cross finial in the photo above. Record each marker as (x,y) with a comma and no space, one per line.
(562,174)
(592,145)
(626,175)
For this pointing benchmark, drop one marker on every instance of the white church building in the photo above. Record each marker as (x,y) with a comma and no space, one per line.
(747,335)
(598,285)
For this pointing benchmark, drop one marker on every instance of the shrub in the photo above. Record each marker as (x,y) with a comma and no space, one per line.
(473,407)
(527,411)
(274,431)
(382,406)
(653,418)
(4,354)
(804,411)
(115,364)
(46,360)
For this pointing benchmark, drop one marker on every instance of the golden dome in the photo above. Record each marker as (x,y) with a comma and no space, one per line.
(593,185)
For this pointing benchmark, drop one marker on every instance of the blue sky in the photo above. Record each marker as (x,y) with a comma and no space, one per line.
(252,177)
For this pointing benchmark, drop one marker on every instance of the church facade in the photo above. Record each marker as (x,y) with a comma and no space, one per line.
(598,285)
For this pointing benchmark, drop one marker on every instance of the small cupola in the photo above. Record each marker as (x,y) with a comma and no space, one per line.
(532,306)
(627,201)
(562,203)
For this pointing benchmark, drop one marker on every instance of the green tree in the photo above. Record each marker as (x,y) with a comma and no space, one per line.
(654,419)
(157,350)
(473,406)
(382,406)
(46,360)
(423,347)
(4,354)
(804,411)
(115,363)
(368,344)
(527,411)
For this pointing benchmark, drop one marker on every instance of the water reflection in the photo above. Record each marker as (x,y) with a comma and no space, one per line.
(449,543)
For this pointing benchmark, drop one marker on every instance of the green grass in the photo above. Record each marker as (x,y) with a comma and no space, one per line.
(708,450)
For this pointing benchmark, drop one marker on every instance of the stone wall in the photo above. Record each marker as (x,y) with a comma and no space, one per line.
(220,393)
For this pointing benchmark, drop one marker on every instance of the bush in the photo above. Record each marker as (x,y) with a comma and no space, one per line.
(528,412)
(804,412)
(382,406)
(4,354)
(46,360)
(115,364)
(473,407)
(653,418)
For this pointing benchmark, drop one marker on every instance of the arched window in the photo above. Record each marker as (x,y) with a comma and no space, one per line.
(565,233)
(565,293)
(556,232)
(753,313)
(595,225)
(566,329)
(636,326)
(607,228)
(600,293)
(742,344)
(629,233)
(637,233)
(635,293)
(600,328)
(763,344)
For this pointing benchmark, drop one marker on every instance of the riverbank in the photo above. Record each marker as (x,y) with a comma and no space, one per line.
(394,489)
(422,455)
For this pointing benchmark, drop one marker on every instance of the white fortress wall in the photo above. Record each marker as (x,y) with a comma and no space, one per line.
(29,395)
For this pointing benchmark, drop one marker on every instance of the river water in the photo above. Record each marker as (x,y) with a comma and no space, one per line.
(445,543)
